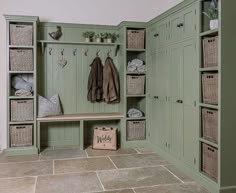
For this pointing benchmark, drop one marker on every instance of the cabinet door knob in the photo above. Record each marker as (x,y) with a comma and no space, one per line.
(156,35)
(156,97)
(178,25)
(179,101)
(181,24)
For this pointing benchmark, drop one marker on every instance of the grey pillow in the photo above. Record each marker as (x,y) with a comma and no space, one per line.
(49,106)
(20,84)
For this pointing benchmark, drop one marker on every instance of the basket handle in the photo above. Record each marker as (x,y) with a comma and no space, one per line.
(211,149)
(21,102)
(20,26)
(20,127)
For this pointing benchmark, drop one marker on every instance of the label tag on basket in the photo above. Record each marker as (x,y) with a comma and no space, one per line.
(105,138)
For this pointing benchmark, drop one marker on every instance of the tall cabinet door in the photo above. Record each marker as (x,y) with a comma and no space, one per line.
(176,101)
(190,127)
(162,87)
(175,32)
(162,33)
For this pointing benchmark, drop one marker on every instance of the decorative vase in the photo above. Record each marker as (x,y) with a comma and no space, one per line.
(98,40)
(109,40)
(214,24)
(87,39)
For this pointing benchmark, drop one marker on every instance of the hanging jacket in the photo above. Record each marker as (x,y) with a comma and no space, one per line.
(95,81)
(111,86)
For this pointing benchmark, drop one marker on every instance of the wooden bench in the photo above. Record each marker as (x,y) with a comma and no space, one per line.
(77,118)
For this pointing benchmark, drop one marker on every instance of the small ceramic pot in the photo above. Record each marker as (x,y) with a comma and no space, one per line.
(109,40)
(87,39)
(104,40)
(98,40)
(214,24)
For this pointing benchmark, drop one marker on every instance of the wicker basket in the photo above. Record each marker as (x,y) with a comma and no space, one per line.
(21,34)
(210,161)
(135,85)
(210,88)
(21,135)
(210,124)
(210,52)
(135,130)
(21,60)
(135,39)
(22,110)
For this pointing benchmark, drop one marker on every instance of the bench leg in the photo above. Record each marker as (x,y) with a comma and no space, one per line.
(81,135)
(38,137)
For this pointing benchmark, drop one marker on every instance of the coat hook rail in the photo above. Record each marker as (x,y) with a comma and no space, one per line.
(74,52)
(86,52)
(50,51)
(62,51)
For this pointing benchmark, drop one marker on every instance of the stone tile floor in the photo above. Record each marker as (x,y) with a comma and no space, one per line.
(70,170)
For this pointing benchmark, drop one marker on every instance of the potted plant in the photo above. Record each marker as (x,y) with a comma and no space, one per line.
(212,14)
(88,35)
(104,37)
(109,38)
(114,37)
(98,37)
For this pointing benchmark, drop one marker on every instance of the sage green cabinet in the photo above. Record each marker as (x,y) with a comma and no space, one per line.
(162,33)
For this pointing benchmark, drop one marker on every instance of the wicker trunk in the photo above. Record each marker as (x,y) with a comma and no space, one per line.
(210,88)
(135,85)
(21,34)
(21,60)
(209,161)
(210,124)
(21,135)
(135,39)
(136,130)
(210,52)
(22,110)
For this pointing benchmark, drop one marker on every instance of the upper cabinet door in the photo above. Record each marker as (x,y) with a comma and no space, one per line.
(153,39)
(189,21)
(163,33)
(175,32)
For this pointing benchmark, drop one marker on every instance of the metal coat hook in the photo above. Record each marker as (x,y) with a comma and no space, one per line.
(97,53)
(74,51)
(86,52)
(50,51)
(108,53)
(62,51)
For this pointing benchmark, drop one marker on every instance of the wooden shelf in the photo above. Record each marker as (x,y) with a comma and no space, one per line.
(44,42)
(21,97)
(135,50)
(209,69)
(137,118)
(136,95)
(208,106)
(209,142)
(21,72)
(20,46)
(21,122)
(209,33)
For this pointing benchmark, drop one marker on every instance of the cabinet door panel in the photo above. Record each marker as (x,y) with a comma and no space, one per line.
(176,108)
(189,22)
(162,33)
(153,40)
(175,32)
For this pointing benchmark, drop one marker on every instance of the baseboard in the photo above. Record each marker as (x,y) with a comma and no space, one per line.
(228,189)
(202,180)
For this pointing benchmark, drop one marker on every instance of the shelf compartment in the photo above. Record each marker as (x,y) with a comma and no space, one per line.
(135,130)
(209,33)
(208,106)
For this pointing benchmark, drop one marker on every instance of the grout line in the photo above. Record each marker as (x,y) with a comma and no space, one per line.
(86,153)
(112,162)
(35,184)
(133,190)
(173,174)
(138,152)
(100,181)
(21,162)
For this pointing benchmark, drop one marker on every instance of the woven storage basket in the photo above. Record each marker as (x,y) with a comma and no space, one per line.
(135,130)
(135,85)
(21,60)
(21,34)
(210,124)
(22,110)
(210,52)
(210,88)
(210,161)
(21,135)
(135,39)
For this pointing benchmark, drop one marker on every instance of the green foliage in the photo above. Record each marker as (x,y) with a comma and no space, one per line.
(88,34)
(212,11)
(99,35)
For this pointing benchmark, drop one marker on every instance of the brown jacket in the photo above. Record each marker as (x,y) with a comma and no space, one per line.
(95,81)
(111,86)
